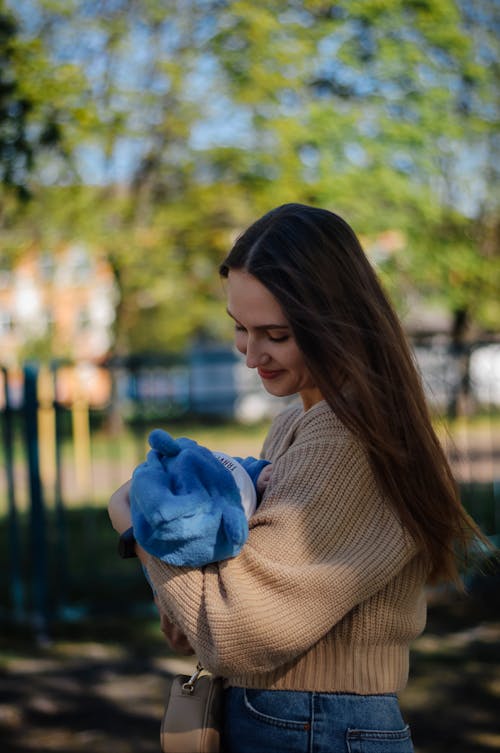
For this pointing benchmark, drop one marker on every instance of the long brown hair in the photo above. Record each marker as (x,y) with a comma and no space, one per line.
(357,353)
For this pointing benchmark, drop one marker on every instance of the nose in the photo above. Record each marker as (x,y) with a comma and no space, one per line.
(255,354)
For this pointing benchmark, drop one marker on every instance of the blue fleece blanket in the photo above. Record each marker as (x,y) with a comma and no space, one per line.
(186,507)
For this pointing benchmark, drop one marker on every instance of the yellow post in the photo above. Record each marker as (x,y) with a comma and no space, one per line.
(46,430)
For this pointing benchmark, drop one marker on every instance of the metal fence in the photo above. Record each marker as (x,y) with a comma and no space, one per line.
(63,452)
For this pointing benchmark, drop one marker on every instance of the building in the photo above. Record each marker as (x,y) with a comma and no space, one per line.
(59,303)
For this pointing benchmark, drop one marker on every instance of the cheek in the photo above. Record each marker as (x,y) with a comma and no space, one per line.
(295,358)
(298,366)
(240,341)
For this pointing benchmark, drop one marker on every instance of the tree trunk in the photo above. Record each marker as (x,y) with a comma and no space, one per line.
(460,394)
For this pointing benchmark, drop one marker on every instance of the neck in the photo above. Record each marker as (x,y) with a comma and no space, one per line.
(310,397)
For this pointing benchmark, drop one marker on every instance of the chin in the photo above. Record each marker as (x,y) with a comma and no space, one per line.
(279,391)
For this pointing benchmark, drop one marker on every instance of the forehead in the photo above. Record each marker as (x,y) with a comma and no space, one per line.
(250,302)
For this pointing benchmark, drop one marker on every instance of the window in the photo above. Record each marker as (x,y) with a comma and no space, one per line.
(6,322)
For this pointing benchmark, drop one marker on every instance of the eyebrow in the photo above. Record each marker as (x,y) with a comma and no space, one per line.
(262,326)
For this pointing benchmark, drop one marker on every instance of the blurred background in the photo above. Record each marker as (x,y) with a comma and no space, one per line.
(138,138)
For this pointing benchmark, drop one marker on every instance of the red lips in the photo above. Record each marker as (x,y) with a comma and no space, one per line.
(269,374)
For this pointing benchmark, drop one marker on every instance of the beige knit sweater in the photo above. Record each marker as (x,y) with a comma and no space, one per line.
(328,591)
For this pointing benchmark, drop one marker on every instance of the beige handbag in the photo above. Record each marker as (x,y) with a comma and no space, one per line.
(192,720)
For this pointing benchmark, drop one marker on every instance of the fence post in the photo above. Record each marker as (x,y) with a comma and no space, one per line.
(61,547)
(81,438)
(14,541)
(38,536)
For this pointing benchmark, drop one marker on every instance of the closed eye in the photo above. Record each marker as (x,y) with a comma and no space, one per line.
(280,339)
(275,339)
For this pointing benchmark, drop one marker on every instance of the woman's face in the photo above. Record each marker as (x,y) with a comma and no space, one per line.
(263,335)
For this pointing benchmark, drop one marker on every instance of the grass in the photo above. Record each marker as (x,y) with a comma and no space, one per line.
(91,477)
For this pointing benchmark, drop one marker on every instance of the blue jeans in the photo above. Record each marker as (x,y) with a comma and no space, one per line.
(282,721)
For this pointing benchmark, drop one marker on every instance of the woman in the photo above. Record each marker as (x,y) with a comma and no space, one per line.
(311,623)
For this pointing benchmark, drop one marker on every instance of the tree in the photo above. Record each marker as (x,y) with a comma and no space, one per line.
(389,116)
(40,102)
(206,113)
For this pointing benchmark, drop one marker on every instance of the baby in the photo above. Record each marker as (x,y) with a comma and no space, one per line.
(190,506)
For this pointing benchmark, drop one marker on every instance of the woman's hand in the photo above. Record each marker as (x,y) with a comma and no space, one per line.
(119,513)
(176,640)
(119,509)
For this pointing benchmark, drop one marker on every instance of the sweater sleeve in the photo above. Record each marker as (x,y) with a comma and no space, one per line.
(323,540)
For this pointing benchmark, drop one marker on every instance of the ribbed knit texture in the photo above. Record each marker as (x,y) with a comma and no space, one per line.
(328,591)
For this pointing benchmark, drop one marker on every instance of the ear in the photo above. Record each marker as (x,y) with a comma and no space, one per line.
(162,442)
